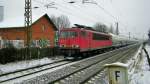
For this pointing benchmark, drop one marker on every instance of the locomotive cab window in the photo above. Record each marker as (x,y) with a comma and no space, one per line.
(83,33)
(100,37)
(73,34)
(66,34)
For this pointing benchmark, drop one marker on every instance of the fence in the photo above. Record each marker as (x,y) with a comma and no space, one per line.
(13,54)
(10,43)
(21,43)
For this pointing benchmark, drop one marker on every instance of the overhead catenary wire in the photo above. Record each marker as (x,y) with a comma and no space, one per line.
(90,2)
(85,14)
(116,19)
(124,24)
(80,12)
(96,15)
(92,18)
(107,12)
(96,11)
(64,11)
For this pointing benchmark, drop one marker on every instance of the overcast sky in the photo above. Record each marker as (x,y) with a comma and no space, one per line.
(133,15)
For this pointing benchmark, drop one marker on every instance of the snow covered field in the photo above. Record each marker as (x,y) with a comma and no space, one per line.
(143,74)
(10,67)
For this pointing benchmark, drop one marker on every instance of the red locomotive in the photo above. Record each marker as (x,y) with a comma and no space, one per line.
(77,40)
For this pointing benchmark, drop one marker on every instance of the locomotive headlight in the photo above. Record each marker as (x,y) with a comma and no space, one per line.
(75,46)
(62,46)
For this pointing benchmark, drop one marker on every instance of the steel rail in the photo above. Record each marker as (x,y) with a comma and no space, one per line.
(74,66)
(28,68)
(102,69)
(31,70)
(73,80)
(105,56)
(51,77)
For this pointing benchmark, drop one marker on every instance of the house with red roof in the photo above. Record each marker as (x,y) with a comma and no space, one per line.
(42,28)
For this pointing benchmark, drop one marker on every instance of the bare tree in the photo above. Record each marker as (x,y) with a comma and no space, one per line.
(100,27)
(61,21)
(111,29)
(64,21)
(55,20)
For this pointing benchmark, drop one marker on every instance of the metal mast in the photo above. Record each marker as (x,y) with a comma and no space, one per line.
(117,29)
(28,22)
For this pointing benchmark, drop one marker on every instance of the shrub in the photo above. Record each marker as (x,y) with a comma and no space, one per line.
(12,54)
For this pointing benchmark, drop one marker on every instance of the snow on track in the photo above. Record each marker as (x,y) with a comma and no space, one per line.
(10,67)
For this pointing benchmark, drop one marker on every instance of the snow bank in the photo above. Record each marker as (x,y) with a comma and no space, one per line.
(143,74)
(10,67)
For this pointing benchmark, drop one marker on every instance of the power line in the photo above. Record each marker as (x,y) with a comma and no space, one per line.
(117,19)
(85,14)
(107,12)
(78,12)
(91,2)
(90,12)
(69,12)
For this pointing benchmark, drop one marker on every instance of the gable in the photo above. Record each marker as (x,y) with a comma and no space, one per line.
(48,19)
(19,22)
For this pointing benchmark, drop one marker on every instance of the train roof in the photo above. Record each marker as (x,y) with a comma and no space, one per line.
(79,29)
(121,37)
(86,28)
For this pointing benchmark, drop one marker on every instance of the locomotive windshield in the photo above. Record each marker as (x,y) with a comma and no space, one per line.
(65,34)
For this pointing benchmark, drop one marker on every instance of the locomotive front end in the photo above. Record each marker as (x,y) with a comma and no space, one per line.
(69,42)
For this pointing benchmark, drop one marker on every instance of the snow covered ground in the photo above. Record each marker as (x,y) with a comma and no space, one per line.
(25,64)
(143,74)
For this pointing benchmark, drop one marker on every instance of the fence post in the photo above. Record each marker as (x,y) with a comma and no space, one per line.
(147,55)
(117,73)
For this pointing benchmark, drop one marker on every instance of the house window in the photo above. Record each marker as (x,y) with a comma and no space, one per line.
(43,27)
(17,38)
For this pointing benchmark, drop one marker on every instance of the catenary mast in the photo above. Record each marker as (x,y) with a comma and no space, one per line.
(28,22)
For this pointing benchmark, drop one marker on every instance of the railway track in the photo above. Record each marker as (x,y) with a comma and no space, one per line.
(82,75)
(79,72)
(99,76)
(29,71)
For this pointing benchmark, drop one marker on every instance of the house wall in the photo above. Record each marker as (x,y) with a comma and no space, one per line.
(42,28)
(12,33)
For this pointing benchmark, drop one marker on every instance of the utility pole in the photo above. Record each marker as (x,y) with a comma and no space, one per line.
(28,22)
(129,35)
(117,29)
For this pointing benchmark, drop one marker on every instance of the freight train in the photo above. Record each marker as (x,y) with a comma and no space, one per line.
(79,41)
